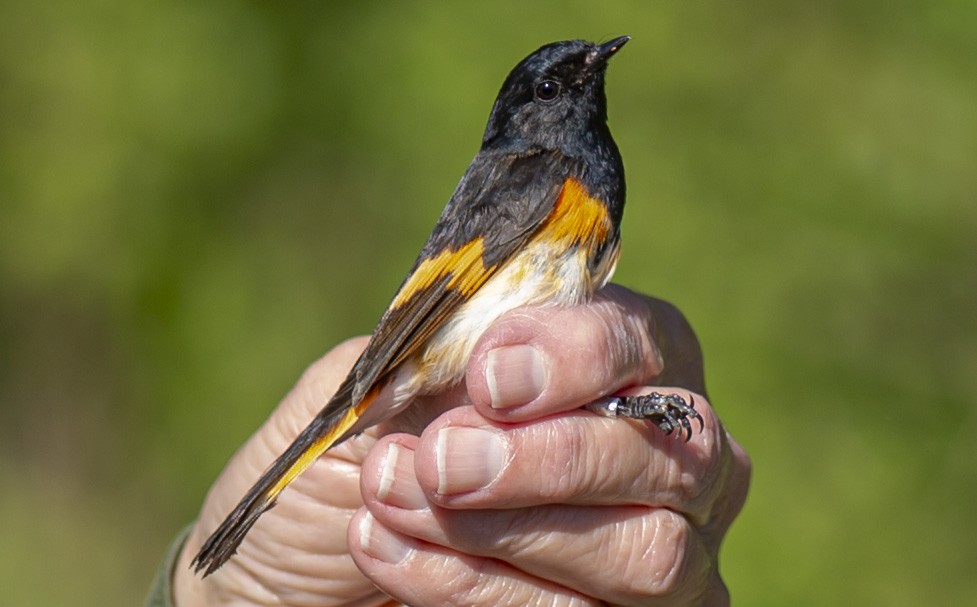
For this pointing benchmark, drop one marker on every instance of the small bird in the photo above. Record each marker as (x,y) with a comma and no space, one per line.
(534,220)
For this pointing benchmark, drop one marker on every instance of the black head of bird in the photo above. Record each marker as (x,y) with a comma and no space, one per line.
(553,99)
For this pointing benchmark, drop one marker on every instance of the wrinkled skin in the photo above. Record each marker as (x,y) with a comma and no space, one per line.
(501,492)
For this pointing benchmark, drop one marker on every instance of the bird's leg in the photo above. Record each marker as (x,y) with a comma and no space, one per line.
(669,412)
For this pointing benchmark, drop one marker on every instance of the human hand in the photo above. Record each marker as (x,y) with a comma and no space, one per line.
(296,553)
(541,503)
(287,560)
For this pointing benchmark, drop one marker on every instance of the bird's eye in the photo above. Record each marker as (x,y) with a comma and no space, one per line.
(547,90)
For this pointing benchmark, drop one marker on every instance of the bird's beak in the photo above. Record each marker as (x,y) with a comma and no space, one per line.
(598,57)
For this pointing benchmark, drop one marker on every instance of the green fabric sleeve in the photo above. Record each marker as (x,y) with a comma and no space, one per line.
(161,592)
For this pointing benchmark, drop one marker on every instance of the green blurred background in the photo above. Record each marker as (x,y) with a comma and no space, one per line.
(200,199)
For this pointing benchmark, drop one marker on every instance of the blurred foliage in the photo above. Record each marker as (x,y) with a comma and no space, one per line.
(197,199)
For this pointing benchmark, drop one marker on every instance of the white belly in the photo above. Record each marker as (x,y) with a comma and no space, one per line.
(541,275)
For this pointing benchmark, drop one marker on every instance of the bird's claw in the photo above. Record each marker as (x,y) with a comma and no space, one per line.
(669,412)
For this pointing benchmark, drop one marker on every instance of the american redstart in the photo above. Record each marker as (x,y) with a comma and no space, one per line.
(535,220)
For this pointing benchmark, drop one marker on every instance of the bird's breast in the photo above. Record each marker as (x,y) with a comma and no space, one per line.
(572,254)
(546,272)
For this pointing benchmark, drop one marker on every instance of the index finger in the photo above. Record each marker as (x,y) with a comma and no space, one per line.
(541,360)
(466,461)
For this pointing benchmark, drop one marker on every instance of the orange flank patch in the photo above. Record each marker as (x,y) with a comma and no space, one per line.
(465,265)
(577,218)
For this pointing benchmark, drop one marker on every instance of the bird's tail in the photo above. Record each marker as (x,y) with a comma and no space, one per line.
(329,428)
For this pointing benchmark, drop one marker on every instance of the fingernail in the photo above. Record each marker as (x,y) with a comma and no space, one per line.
(468,459)
(381,543)
(515,375)
(398,483)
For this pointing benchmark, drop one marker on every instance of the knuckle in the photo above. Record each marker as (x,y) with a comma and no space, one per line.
(699,471)
(658,562)
(615,341)
(629,347)
(632,316)
(588,466)
(464,581)
(471,585)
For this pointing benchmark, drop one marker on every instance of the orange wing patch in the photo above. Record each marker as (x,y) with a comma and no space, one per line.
(465,265)
(577,218)
(311,453)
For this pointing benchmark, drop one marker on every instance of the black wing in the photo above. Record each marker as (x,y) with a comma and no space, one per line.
(496,208)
